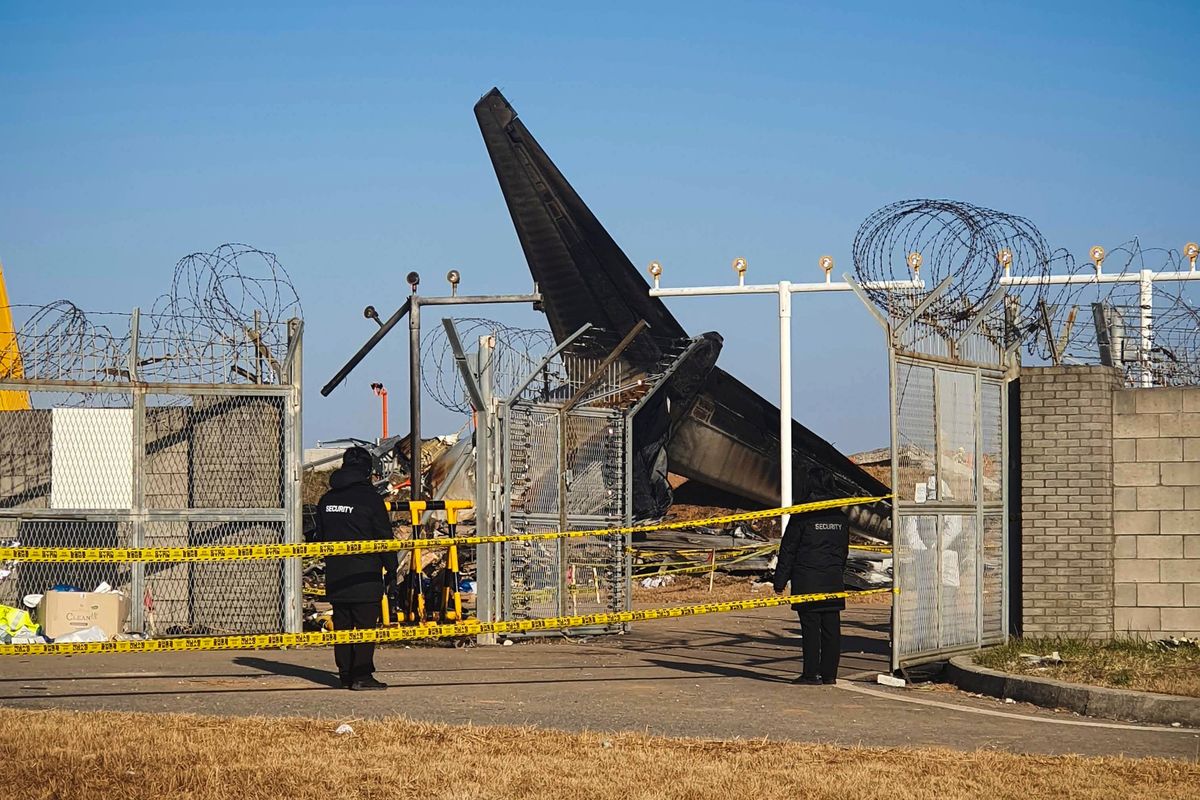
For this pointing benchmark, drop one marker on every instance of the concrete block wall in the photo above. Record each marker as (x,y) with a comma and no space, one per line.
(1066,500)
(1156,520)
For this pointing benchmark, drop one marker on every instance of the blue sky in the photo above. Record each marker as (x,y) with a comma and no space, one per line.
(342,139)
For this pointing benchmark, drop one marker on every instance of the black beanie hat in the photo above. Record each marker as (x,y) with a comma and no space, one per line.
(357,459)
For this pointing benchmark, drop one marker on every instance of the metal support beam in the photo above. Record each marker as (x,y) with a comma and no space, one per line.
(592,379)
(416,479)
(862,295)
(549,357)
(375,339)
(785,400)
(460,359)
(923,306)
(994,298)
(1048,327)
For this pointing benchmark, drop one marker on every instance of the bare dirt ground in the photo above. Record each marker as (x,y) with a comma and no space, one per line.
(686,589)
(131,756)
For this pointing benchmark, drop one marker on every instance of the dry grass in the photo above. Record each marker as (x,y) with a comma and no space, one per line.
(688,589)
(133,756)
(1121,663)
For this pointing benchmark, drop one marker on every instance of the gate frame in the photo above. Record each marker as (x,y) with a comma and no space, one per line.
(903,345)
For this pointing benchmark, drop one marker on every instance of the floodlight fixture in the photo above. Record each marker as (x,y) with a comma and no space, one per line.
(655,270)
(826,264)
(914,263)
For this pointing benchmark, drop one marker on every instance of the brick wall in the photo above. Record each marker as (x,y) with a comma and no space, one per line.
(1156,501)
(1066,500)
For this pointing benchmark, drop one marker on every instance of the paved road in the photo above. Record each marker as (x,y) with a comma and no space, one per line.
(719,676)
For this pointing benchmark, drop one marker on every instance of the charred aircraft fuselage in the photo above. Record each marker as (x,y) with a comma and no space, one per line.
(721,432)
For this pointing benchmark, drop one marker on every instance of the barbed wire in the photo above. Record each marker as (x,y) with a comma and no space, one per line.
(516,353)
(226,296)
(951,239)
(59,338)
(224,319)
(1174,333)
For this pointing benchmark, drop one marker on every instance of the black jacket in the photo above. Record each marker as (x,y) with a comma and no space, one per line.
(813,556)
(353,511)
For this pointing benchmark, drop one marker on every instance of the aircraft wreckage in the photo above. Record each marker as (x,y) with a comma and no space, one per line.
(705,425)
(711,427)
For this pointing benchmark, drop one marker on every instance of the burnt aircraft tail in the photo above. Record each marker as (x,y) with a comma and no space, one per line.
(721,432)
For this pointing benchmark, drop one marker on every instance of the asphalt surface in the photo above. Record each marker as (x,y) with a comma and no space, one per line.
(715,677)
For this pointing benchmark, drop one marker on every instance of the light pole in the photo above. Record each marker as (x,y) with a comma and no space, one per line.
(783,291)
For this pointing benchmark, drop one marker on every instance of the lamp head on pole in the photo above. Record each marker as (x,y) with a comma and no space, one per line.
(1191,251)
(914,263)
(1005,258)
(1097,255)
(414,279)
(739,266)
(826,264)
(453,276)
(655,270)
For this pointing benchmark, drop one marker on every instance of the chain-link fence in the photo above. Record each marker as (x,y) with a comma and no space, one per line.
(156,434)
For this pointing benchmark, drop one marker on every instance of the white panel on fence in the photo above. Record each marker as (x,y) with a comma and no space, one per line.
(91,458)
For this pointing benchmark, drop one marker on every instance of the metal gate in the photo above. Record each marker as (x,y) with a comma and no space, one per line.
(947,378)
(565,471)
(151,436)
(950,492)
(554,450)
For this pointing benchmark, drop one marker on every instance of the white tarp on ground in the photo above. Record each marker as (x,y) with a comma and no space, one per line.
(91,458)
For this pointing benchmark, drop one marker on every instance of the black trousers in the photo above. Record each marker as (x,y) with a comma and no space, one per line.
(822,632)
(355,661)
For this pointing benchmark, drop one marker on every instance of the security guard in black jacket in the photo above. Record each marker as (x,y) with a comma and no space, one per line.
(813,556)
(353,511)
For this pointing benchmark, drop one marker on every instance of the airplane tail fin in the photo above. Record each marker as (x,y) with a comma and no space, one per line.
(11,366)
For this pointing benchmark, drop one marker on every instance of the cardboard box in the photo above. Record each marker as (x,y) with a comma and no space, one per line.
(61,613)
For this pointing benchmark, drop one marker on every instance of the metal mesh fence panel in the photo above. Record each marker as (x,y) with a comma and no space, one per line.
(956,420)
(595,571)
(214,452)
(917,579)
(532,572)
(67,457)
(544,579)
(25,459)
(992,601)
(18,579)
(533,461)
(916,436)
(215,597)
(991,422)
(957,598)
(949,462)
(595,469)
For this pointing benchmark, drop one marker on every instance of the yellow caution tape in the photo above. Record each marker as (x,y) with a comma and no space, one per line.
(116,555)
(406,634)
